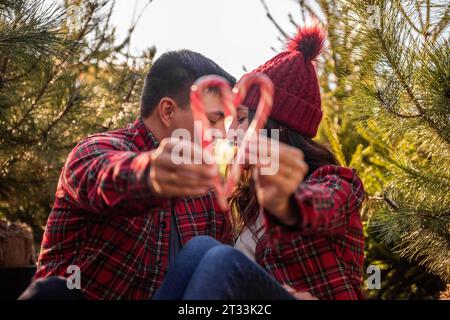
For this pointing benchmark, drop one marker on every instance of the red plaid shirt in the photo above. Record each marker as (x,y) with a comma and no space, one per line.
(106,220)
(324,254)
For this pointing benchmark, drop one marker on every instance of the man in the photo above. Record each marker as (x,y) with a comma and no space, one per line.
(123,209)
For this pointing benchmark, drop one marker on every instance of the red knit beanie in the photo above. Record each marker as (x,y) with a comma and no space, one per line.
(297,103)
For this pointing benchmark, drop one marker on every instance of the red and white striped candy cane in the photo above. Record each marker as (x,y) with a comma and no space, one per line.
(198,90)
(266,90)
(230,100)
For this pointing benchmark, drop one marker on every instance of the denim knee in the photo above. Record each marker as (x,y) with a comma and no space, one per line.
(200,242)
(225,256)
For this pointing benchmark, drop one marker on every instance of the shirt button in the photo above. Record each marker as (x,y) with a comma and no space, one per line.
(163,225)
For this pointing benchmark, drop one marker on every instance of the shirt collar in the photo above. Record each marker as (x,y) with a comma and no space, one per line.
(148,137)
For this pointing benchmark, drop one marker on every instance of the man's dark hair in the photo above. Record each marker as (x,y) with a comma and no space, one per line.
(173,74)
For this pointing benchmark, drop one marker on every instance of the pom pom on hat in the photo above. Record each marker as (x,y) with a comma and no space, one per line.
(309,40)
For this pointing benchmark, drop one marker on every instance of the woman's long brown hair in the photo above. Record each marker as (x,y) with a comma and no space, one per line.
(243,201)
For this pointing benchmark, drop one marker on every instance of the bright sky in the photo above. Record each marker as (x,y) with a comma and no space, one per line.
(234,33)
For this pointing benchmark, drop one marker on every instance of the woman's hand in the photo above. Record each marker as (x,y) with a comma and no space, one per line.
(299,295)
(274,190)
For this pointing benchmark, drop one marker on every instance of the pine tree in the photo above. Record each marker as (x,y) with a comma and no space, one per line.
(402,106)
(63,75)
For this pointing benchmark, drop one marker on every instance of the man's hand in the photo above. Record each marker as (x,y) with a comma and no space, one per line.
(274,190)
(169,179)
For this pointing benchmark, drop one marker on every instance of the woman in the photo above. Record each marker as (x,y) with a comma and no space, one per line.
(301,224)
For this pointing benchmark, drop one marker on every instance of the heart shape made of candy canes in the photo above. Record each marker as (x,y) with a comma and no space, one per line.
(231,99)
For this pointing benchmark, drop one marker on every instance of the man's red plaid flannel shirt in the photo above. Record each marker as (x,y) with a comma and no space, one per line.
(106,221)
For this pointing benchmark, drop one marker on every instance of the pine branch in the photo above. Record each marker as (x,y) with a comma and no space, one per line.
(392,111)
(274,22)
(427,19)
(441,25)
(126,100)
(334,142)
(402,79)
(419,12)
(406,16)
(313,14)
(103,36)
(20,75)
(400,76)
(70,103)
(58,68)
(301,3)
(292,21)
(33,30)
(417,235)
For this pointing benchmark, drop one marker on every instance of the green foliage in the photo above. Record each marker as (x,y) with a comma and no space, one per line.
(401,104)
(400,279)
(30,32)
(335,145)
(63,76)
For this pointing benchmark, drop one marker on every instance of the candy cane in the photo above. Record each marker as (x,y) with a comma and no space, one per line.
(198,111)
(266,90)
(230,100)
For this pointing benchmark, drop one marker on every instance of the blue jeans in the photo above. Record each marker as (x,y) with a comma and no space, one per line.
(208,270)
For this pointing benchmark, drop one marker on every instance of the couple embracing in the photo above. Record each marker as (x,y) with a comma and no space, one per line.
(139,226)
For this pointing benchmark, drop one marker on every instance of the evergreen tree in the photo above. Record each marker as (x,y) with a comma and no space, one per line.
(401,103)
(63,75)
